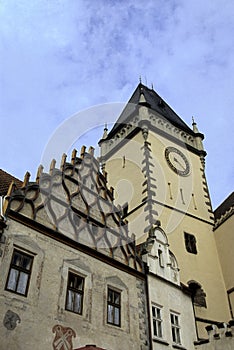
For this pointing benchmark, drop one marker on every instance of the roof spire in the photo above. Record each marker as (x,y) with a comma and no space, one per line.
(198,136)
(140,79)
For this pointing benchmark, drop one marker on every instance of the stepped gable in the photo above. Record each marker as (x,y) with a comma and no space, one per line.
(74,202)
(5,181)
(224,210)
(152,100)
(220,336)
(224,207)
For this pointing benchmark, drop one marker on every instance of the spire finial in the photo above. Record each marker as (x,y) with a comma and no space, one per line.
(105,132)
(140,79)
(195,128)
(26,179)
(39,172)
(152,86)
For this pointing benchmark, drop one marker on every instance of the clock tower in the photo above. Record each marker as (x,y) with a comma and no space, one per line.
(156,163)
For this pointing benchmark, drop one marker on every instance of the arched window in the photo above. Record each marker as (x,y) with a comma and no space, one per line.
(198,294)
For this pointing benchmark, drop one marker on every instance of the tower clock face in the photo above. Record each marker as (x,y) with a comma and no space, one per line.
(177,161)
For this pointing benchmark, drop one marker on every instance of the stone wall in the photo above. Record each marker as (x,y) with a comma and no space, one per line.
(221,337)
(40,320)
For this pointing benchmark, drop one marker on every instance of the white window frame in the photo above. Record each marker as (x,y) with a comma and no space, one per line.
(157,321)
(175,327)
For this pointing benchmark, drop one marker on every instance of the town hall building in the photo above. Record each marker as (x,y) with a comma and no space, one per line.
(122,251)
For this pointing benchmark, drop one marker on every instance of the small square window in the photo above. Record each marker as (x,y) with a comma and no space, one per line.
(113,307)
(19,273)
(157,321)
(190,243)
(75,293)
(175,328)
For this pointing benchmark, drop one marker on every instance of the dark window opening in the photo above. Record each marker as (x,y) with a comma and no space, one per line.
(19,273)
(198,294)
(113,307)
(75,293)
(190,243)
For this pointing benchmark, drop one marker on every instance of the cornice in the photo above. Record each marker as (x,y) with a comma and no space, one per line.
(156,123)
(59,237)
(223,217)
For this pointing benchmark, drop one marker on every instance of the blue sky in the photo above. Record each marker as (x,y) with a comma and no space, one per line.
(60,57)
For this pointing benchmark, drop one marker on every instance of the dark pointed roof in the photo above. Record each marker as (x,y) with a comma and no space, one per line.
(5,181)
(148,97)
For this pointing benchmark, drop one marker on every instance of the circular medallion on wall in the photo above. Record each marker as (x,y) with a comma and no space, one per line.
(177,161)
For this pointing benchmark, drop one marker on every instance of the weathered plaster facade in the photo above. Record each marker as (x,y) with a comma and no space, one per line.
(167,295)
(72,248)
(66,222)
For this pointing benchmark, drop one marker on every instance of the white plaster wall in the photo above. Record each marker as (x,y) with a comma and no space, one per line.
(44,306)
(171,298)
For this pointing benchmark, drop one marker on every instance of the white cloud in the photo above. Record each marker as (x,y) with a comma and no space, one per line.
(58,57)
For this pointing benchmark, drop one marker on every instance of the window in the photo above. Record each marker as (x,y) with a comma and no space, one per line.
(19,273)
(75,292)
(160,258)
(113,307)
(198,294)
(157,321)
(175,328)
(190,243)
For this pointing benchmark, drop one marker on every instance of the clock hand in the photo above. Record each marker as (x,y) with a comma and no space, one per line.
(177,161)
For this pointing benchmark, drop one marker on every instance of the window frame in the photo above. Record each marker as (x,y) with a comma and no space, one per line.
(175,328)
(190,243)
(76,291)
(21,270)
(157,322)
(116,306)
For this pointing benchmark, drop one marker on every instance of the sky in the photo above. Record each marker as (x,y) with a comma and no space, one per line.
(61,57)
